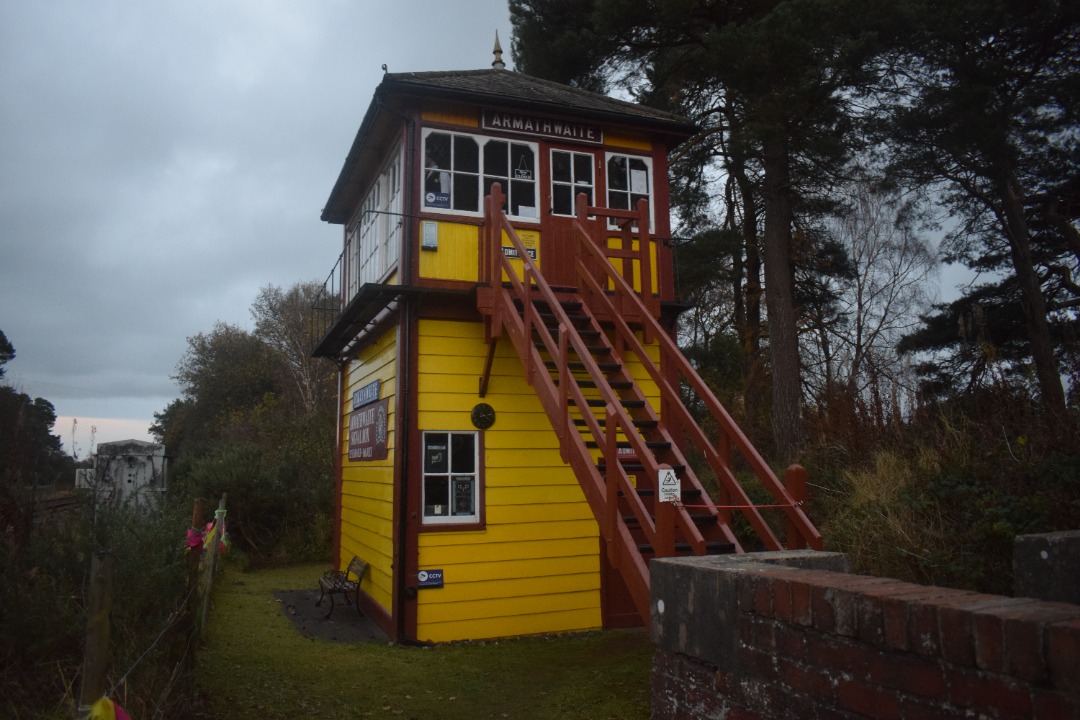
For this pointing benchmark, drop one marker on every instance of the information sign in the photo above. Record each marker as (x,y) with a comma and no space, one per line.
(429,579)
(670,486)
(368,431)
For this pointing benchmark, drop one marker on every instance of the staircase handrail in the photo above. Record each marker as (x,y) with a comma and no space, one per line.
(796,517)
(616,415)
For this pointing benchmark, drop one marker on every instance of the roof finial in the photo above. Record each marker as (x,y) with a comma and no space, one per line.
(497,63)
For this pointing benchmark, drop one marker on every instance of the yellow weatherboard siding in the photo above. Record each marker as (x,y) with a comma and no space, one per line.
(458,254)
(449,115)
(534,567)
(367,487)
(632,141)
(617,243)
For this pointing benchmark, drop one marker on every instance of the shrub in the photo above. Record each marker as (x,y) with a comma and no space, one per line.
(44,597)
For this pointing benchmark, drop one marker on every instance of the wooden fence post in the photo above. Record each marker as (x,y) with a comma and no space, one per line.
(96,646)
(194,554)
(211,562)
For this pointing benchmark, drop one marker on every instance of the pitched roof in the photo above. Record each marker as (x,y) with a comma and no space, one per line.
(508,88)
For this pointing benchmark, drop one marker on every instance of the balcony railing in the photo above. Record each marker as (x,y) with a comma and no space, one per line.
(326,308)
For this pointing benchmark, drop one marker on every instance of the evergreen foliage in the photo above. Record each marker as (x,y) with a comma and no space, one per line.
(833,136)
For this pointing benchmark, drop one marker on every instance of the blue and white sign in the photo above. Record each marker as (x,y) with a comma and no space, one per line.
(437,199)
(429,579)
(367,394)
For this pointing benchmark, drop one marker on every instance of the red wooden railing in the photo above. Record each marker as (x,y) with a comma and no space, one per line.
(608,293)
(595,275)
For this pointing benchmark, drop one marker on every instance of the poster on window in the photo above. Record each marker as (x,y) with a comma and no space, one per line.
(368,431)
(437,199)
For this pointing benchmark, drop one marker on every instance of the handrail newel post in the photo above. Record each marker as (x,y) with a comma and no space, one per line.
(795,482)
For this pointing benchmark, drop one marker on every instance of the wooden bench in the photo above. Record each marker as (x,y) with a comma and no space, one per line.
(336,582)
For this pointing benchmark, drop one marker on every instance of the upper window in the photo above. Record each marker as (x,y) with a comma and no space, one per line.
(459,170)
(571,174)
(372,244)
(629,179)
(451,478)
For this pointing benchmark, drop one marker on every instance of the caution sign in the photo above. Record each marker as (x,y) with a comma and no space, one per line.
(670,486)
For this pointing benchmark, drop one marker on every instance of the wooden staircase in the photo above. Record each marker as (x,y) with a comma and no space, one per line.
(608,377)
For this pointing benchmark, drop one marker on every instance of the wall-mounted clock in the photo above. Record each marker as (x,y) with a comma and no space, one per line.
(483,416)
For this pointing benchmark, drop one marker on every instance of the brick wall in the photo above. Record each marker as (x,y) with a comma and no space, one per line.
(742,639)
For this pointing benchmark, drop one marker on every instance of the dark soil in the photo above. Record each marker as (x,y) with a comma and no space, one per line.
(345,623)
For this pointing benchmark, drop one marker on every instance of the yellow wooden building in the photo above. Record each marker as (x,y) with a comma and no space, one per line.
(510,409)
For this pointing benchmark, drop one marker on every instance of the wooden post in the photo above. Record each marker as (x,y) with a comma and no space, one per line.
(194,554)
(96,646)
(795,483)
(664,512)
(211,562)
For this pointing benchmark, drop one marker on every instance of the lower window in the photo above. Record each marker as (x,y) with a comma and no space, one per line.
(451,484)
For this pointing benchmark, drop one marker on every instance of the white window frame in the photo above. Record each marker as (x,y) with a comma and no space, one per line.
(451,174)
(450,477)
(575,184)
(629,191)
(373,243)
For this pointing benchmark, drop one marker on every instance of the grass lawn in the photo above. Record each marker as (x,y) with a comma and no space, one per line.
(255,664)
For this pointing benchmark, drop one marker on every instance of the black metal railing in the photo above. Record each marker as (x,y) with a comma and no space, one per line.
(326,308)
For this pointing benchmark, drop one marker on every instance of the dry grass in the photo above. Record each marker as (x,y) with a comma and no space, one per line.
(882,534)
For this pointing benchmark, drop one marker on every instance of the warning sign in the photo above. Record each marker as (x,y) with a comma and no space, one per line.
(670,487)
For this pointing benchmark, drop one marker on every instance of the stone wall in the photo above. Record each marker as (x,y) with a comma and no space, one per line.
(797,637)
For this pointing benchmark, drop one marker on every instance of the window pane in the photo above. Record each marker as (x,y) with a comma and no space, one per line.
(583,168)
(523,199)
(436,447)
(466,154)
(466,194)
(436,496)
(560,166)
(522,162)
(463,453)
(495,159)
(617,174)
(639,177)
(464,494)
(437,148)
(617,200)
(588,194)
(561,200)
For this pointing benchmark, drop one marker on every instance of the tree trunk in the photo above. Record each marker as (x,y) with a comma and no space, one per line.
(780,302)
(749,318)
(1047,371)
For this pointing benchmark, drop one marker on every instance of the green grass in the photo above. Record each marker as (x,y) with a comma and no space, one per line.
(256,665)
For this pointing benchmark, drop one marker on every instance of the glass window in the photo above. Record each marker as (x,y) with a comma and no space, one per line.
(372,244)
(456,164)
(629,179)
(451,478)
(571,174)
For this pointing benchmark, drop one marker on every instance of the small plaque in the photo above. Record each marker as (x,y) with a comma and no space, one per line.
(670,486)
(429,579)
(430,235)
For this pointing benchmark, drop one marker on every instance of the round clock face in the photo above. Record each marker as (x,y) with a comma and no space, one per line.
(483,416)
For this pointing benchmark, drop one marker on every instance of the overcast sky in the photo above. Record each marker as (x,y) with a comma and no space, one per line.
(162,161)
